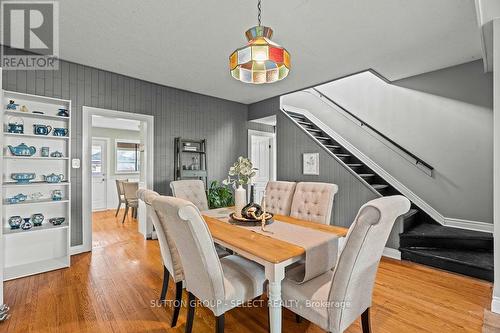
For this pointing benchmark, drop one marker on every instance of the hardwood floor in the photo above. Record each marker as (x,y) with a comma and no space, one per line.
(116,287)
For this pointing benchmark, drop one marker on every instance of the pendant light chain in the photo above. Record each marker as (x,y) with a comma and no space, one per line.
(259,8)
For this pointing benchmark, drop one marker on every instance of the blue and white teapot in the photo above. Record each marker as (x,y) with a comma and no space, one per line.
(22,150)
(53,178)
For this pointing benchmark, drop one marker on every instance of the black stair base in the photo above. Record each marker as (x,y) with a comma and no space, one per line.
(437,236)
(471,263)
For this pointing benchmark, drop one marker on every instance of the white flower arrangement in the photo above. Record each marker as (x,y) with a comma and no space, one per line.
(241,173)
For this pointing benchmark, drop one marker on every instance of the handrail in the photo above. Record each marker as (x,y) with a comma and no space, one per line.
(365,124)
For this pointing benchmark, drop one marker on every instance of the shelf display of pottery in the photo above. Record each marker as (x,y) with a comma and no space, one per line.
(36,187)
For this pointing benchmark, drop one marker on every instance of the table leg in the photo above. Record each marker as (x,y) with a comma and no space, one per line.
(275,274)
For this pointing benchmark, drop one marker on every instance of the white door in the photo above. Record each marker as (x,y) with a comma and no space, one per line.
(262,159)
(99,174)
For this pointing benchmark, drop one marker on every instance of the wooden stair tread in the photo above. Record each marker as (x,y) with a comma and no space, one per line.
(379,186)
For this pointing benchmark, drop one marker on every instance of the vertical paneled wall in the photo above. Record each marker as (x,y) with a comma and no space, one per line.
(177,113)
(292,142)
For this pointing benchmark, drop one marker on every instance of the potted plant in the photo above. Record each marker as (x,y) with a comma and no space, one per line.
(219,195)
(241,173)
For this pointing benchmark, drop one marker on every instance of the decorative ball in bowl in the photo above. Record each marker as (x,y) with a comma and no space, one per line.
(57,220)
(23,177)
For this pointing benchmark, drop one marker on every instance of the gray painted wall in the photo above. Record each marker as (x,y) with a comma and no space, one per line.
(177,113)
(260,127)
(453,136)
(292,142)
(265,108)
(466,82)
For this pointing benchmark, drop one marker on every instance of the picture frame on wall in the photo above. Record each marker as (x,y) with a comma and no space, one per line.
(310,164)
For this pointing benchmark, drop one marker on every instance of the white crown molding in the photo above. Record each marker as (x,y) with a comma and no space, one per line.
(438,217)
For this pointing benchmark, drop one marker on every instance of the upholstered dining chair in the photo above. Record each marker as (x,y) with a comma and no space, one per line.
(279,197)
(192,190)
(121,197)
(170,256)
(131,201)
(221,284)
(313,201)
(335,299)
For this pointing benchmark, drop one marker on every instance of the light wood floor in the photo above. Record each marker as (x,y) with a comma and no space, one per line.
(113,289)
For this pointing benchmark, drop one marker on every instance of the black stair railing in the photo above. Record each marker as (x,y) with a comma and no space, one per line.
(418,160)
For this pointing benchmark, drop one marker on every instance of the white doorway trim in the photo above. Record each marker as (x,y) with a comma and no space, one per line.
(87,113)
(273,149)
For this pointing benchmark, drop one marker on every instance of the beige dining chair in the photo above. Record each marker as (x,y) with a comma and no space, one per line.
(313,201)
(170,256)
(221,284)
(192,190)
(130,196)
(337,298)
(279,197)
(121,197)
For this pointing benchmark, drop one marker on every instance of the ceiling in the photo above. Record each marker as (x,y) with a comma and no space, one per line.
(186,44)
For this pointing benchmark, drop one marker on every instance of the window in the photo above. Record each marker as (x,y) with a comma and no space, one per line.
(127,157)
(96,159)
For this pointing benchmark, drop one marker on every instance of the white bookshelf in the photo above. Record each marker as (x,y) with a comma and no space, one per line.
(47,247)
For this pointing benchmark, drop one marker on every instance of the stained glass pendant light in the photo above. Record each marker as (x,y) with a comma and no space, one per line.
(261,60)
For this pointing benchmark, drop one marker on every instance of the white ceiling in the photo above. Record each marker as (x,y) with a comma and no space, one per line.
(116,123)
(186,44)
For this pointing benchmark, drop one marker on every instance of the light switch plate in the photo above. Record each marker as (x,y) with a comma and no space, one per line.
(75,163)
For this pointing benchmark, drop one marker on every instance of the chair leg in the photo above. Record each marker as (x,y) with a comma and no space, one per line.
(219,327)
(190,315)
(166,278)
(118,209)
(125,215)
(298,319)
(177,304)
(365,321)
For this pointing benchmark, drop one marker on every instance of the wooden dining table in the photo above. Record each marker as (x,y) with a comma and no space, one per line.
(274,254)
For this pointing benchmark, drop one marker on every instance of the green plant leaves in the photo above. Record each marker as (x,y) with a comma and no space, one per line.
(219,195)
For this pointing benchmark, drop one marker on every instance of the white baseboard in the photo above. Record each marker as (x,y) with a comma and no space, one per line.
(495,304)
(469,225)
(392,253)
(77,250)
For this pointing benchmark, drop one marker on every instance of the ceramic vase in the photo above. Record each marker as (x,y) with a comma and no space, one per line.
(240,201)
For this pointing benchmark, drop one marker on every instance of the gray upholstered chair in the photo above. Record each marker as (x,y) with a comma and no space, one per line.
(130,196)
(279,196)
(345,293)
(170,256)
(121,197)
(221,284)
(194,192)
(190,190)
(313,201)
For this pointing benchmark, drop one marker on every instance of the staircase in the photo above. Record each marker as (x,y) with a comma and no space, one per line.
(422,240)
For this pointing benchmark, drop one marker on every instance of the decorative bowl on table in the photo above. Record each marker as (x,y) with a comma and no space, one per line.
(57,220)
(15,222)
(22,177)
(244,221)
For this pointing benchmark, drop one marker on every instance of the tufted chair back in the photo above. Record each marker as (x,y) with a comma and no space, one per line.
(202,268)
(168,250)
(192,190)
(313,201)
(356,269)
(279,197)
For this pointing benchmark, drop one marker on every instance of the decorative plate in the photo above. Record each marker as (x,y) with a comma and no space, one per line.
(233,219)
